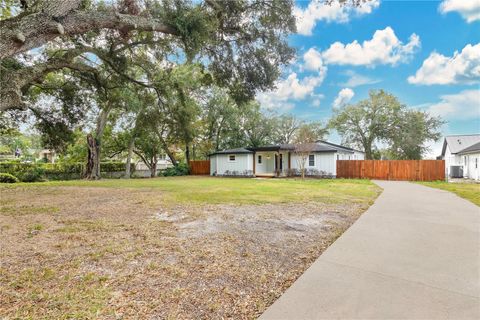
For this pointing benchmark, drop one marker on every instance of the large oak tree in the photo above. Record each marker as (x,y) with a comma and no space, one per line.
(242,44)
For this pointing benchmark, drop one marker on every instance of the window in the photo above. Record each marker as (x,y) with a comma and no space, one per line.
(259,159)
(311,160)
(476,163)
(231,158)
(338,157)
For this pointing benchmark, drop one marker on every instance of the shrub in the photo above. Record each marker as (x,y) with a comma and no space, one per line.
(112,166)
(180,169)
(8,178)
(240,174)
(33,174)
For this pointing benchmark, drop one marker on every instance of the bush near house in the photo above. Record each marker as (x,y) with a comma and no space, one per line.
(180,170)
(36,172)
(8,178)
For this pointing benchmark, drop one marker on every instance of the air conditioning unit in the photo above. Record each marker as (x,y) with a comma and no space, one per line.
(456,171)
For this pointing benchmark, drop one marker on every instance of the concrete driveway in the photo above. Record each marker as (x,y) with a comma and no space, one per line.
(415,254)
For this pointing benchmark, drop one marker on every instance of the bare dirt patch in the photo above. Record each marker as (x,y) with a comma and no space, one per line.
(71,252)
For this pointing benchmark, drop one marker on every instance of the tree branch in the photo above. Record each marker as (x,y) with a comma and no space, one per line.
(59,17)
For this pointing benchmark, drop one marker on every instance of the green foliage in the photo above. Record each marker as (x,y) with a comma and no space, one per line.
(179,170)
(414,128)
(76,151)
(13,140)
(32,174)
(29,172)
(383,119)
(8,178)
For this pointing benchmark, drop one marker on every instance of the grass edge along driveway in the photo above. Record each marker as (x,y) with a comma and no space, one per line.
(468,191)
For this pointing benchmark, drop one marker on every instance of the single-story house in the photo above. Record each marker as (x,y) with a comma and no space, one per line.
(462,156)
(281,160)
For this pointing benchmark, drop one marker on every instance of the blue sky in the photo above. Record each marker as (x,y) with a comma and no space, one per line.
(427,53)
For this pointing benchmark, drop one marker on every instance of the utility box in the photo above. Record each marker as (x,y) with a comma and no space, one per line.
(456,171)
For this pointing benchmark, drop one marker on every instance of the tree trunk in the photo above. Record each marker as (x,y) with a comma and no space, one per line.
(92,149)
(131,145)
(368,151)
(187,156)
(153,167)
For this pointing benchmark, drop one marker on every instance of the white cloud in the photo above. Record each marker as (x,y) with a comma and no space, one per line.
(468,9)
(383,48)
(461,106)
(335,12)
(344,96)
(291,88)
(463,67)
(356,80)
(313,61)
(294,87)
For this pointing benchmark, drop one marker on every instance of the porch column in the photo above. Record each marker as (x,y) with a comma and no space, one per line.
(277,164)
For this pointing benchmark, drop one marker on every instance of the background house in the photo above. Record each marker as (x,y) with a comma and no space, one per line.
(47,156)
(462,156)
(281,160)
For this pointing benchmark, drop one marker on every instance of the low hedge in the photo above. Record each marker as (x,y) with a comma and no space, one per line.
(32,172)
(180,169)
(8,178)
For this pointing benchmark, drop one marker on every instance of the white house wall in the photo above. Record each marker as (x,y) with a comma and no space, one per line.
(451,160)
(357,155)
(324,161)
(471,164)
(242,163)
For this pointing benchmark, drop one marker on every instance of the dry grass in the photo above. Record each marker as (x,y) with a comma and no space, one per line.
(96,252)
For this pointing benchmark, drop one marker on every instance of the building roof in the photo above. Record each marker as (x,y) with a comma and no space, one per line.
(339,146)
(458,143)
(232,151)
(473,148)
(319,146)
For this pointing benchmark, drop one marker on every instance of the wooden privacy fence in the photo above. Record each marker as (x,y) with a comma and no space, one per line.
(412,170)
(199,167)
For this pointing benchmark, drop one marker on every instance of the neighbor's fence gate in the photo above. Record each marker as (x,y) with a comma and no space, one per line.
(199,167)
(412,170)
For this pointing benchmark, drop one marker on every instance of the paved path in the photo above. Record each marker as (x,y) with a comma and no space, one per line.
(415,254)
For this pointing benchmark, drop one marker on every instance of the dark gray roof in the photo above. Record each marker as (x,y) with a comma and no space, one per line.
(458,143)
(337,146)
(319,146)
(232,151)
(313,147)
(472,148)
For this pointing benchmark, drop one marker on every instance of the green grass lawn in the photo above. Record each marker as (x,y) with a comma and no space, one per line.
(236,190)
(469,191)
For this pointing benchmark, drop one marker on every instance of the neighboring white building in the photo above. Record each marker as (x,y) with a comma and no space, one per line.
(162,164)
(47,155)
(462,156)
(280,160)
